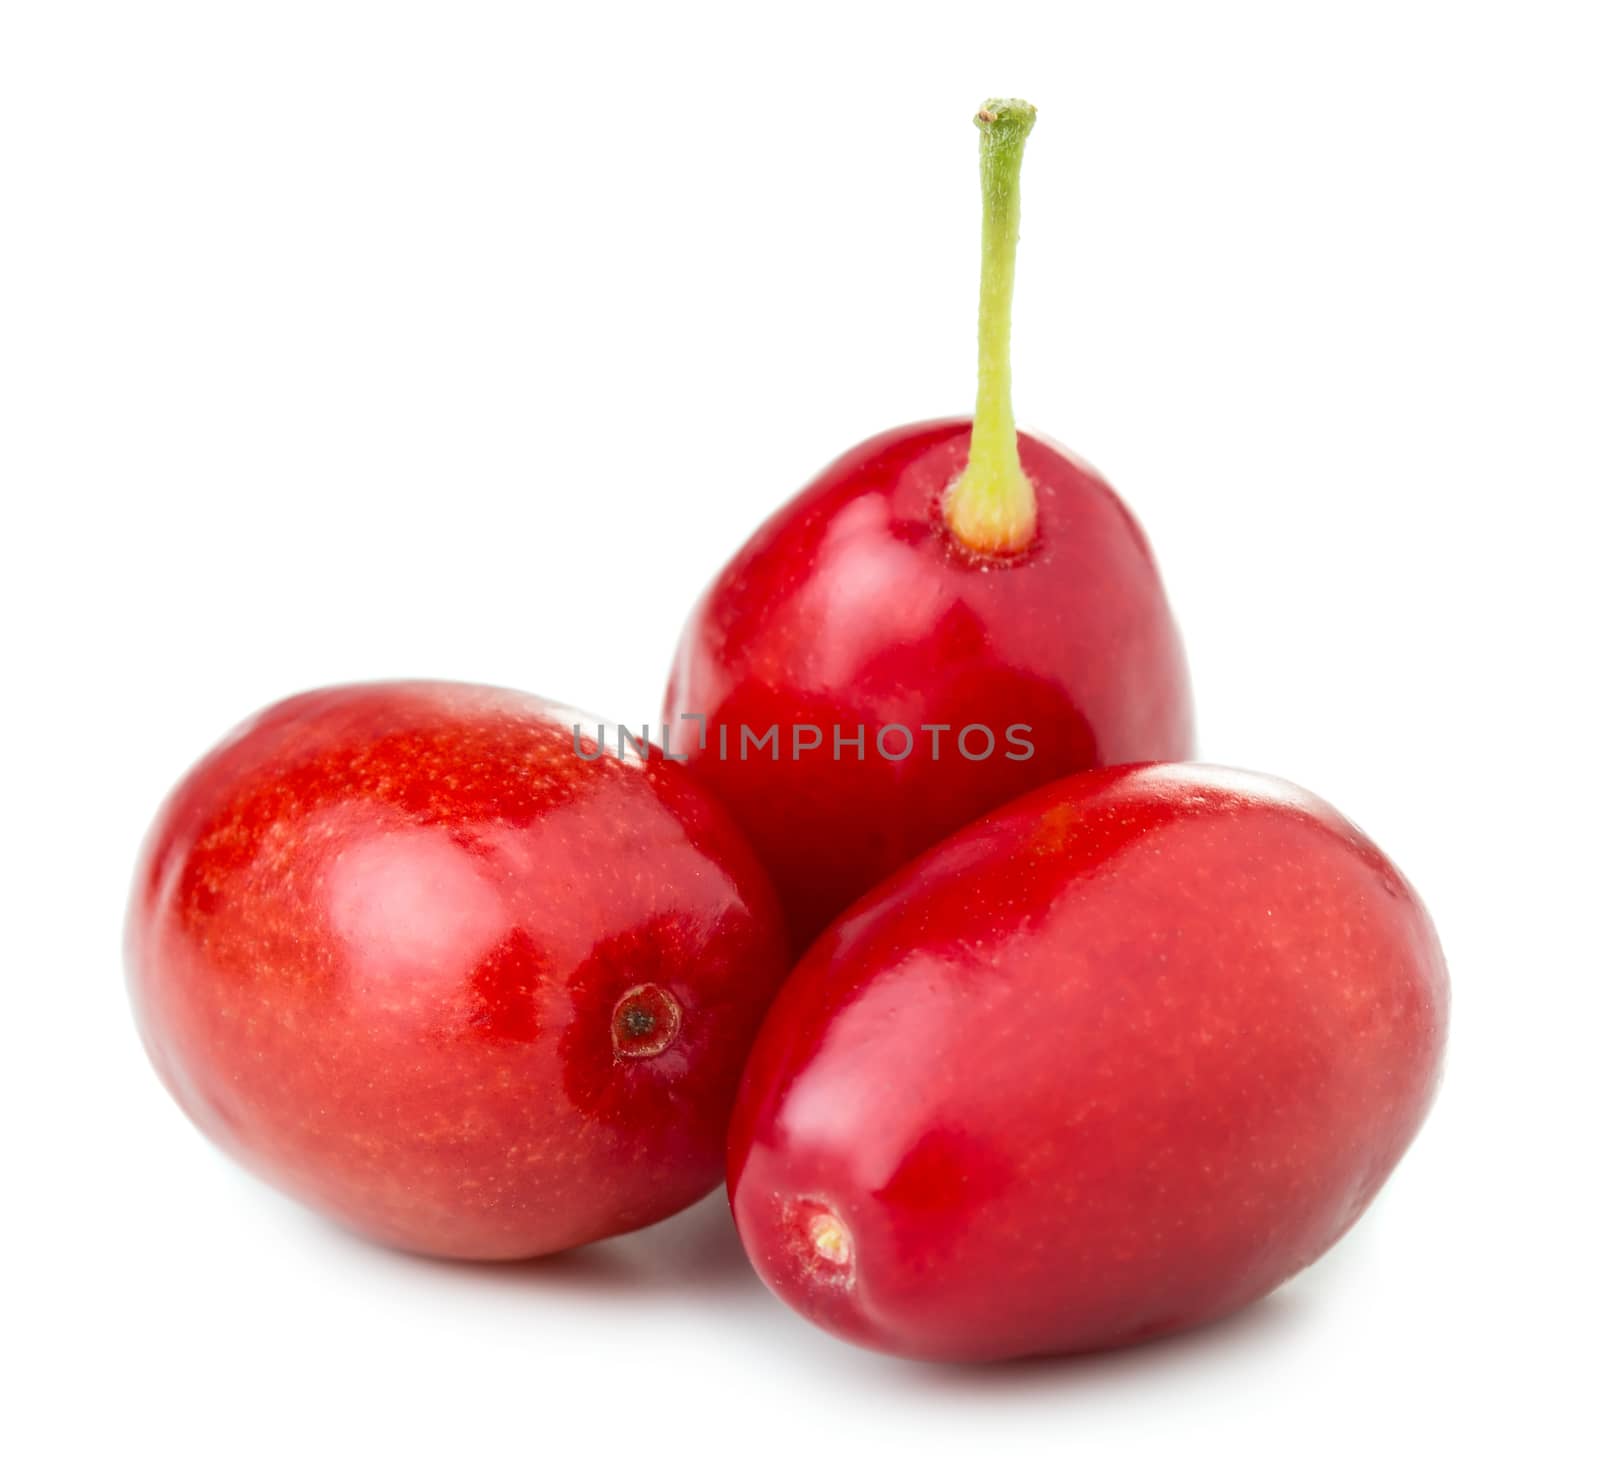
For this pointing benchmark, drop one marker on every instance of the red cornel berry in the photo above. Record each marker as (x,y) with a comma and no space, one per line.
(403,953)
(1109,1063)
(941,577)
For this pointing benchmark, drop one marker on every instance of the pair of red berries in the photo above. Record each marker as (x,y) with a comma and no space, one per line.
(1116,1057)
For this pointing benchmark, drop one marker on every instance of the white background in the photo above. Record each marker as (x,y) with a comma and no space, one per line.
(344,341)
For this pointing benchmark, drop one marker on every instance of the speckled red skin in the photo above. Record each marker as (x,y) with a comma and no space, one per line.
(853,605)
(1109,1063)
(377,942)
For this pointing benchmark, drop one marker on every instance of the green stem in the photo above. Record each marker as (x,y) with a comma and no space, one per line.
(991,507)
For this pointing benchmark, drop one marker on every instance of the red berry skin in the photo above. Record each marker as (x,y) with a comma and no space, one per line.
(1107,1064)
(403,953)
(853,606)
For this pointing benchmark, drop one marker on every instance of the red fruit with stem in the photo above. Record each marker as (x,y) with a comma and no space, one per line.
(1109,1063)
(950,615)
(405,953)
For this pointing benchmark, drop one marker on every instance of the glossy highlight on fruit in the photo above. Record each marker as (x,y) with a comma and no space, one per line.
(950,615)
(403,952)
(1107,1064)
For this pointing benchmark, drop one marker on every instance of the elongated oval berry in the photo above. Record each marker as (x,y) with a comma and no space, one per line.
(950,615)
(1113,1061)
(405,953)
